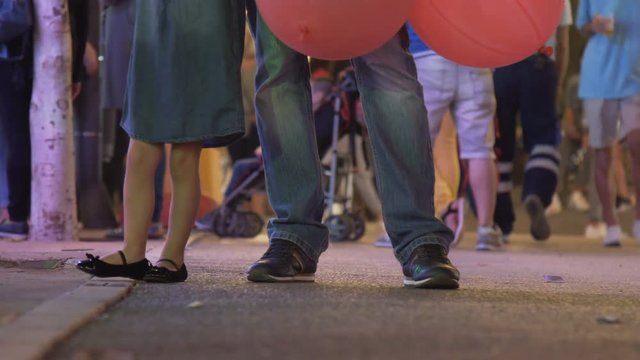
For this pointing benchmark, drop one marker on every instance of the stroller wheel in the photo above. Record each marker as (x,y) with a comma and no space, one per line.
(340,227)
(359,227)
(254,224)
(223,222)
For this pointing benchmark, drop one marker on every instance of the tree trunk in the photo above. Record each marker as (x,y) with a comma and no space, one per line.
(53,195)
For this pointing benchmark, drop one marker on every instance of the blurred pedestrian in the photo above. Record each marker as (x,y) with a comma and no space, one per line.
(610,89)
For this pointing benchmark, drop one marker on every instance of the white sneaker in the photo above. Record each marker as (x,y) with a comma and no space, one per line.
(489,238)
(636,230)
(555,207)
(595,231)
(506,238)
(383,241)
(613,237)
(578,202)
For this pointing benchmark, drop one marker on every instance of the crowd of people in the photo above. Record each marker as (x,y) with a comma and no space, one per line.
(579,134)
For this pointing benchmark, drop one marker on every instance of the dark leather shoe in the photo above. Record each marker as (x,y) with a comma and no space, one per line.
(284,261)
(158,274)
(429,268)
(96,267)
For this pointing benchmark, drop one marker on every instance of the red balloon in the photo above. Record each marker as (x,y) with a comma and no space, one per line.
(335,29)
(486,33)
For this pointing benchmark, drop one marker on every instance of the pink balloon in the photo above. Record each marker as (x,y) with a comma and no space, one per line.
(486,33)
(335,29)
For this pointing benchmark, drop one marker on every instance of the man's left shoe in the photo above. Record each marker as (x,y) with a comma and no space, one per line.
(540,229)
(430,268)
(16,230)
(284,261)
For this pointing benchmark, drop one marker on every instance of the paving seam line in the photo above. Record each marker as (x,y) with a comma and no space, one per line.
(35,333)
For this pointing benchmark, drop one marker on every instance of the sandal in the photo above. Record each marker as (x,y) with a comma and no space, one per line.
(96,267)
(157,274)
(455,208)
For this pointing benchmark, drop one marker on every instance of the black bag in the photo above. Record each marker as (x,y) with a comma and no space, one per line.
(16,18)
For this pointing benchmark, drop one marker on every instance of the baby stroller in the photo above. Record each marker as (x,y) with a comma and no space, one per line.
(229,220)
(331,110)
(344,225)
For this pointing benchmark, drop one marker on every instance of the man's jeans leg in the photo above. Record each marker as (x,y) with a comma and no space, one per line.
(397,122)
(289,148)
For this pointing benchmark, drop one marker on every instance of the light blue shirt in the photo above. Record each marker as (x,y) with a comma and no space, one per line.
(611,64)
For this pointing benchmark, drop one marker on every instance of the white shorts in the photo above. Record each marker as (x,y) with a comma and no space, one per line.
(469,94)
(611,120)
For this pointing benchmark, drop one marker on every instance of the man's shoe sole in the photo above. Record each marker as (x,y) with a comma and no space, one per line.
(434,282)
(540,229)
(261,276)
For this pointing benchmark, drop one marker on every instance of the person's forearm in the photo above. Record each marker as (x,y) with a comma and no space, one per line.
(586,30)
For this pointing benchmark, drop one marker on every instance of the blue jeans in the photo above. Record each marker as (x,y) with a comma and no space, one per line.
(397,122)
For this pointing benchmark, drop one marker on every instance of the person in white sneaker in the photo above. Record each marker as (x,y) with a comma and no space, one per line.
(610,89)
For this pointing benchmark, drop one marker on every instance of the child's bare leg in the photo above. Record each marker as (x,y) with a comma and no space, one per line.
(142,161)
(184,166)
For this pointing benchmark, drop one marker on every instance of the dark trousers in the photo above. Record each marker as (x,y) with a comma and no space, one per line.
(15,99)
(527,88)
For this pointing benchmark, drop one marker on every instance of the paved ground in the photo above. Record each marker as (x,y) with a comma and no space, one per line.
(357,309)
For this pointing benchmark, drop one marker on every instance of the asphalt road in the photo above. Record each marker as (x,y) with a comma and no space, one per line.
(357,308)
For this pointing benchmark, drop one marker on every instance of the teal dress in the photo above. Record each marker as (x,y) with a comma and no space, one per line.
(184,74)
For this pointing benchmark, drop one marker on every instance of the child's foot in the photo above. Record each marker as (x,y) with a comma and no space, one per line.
(98,267)
(166,271)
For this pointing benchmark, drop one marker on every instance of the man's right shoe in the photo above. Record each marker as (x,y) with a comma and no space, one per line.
(284,261)
(429,267)
(16,230)
(540,229)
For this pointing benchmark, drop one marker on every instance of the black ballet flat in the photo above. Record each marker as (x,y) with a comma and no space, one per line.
(96,267)
(157,274)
